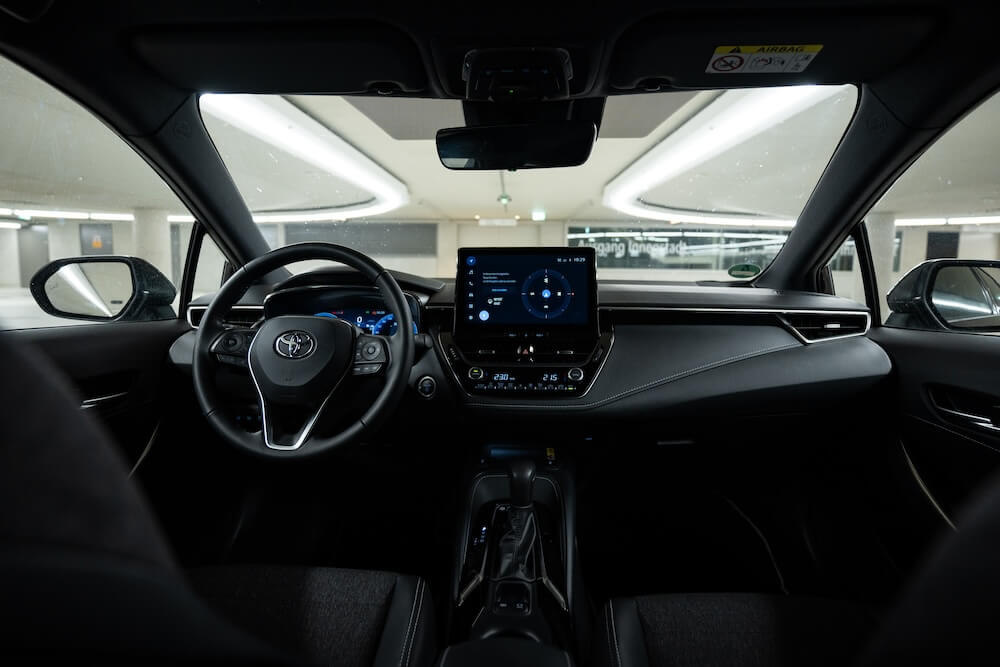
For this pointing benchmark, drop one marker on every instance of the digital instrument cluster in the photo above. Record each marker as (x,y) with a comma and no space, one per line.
(362,306)
(376,322)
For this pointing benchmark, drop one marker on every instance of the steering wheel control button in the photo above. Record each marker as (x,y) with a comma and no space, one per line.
(427,386)
(367,369)
(370,351)
(294,345)
(575,374)
(476,373)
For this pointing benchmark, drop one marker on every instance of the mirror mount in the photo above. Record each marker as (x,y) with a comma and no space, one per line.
(151,292)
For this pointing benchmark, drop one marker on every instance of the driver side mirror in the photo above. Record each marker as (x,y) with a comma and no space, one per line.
(948,294)
(103,289)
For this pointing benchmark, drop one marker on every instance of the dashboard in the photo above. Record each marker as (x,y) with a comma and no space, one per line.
(599,351)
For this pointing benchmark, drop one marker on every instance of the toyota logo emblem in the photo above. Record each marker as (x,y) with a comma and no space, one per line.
(294,345)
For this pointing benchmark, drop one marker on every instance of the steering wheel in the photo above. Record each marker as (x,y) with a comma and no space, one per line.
(301,365)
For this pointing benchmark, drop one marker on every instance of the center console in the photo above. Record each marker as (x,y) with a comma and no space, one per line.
(526,322)
(515,563)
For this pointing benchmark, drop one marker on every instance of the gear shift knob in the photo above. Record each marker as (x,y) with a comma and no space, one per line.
(521,473)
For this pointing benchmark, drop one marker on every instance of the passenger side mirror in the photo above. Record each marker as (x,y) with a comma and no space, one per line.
(102,289)
(957,294)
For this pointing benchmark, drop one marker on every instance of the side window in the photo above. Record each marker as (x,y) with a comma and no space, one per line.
(71,188)
(935,235)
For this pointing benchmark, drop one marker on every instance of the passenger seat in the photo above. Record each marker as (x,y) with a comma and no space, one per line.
(946,615)
(719,629)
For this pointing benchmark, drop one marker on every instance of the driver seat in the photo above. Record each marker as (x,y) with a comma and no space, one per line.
(85,571)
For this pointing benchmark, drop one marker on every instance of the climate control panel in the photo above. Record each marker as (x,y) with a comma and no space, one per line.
(502,372)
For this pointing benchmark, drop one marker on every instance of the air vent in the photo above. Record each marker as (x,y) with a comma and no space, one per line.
(812,327)
(242,316)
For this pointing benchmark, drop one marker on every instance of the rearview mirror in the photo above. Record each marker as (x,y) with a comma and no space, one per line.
(102,289)
(957,294)
(538,145)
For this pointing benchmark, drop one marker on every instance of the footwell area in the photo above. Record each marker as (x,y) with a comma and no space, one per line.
(652,536)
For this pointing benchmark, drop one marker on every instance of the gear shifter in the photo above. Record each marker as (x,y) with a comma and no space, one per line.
(516,557)
(521,473)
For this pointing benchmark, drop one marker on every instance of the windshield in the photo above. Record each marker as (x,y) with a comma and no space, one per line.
(680,186)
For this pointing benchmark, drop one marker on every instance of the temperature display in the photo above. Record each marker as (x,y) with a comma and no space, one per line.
(550,377)
(502,377)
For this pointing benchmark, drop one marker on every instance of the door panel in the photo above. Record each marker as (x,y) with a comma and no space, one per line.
(949,393)
(116,369)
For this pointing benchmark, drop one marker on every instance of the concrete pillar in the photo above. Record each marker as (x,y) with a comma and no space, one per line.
(913,250)
(977,243)
(447,248)
(552,233)
(10,263)
(64,238)
(151,238)
(123,238)
(882,237)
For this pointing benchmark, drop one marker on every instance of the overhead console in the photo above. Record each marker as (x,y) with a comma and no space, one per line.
(526,322)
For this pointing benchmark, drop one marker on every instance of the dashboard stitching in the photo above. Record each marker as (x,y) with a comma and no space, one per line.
(649,385)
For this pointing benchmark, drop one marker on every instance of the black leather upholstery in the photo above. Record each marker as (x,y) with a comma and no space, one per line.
(688,630)
(86,573)
(504,652)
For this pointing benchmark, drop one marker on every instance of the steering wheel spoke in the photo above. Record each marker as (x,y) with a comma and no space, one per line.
(371,355)
(232,346)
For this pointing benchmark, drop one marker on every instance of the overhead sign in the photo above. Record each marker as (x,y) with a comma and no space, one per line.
(763,59)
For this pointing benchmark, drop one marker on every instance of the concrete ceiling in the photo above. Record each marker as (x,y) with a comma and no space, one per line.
(57,155)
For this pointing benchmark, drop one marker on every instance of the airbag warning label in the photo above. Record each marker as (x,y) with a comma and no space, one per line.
(763,59)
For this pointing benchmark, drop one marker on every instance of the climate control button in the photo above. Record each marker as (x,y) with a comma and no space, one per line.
(575,374)
(476,373)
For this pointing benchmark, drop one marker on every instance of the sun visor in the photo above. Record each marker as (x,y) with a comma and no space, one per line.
(339,58)
(762,49)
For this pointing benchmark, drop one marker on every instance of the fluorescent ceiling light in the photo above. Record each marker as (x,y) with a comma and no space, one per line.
(180,218)
(497,222)
(81,284)
(937,222)
(277,121)
(65,215)
(975,220)
(733,118)
(6,212)
(538,215)
(113,217)
(10,225)
(920,222)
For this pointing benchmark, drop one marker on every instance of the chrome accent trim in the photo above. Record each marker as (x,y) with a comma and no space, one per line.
(97,400)
(923,487)
(306,430)
(204,308)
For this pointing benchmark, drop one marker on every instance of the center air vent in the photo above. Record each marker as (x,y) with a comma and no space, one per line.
(816,326)
(242,316)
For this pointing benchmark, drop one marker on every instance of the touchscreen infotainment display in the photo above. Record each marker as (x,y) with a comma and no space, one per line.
(506,290)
